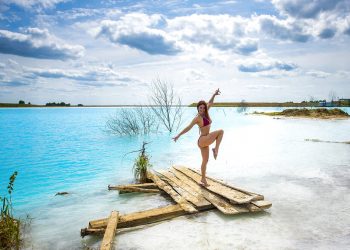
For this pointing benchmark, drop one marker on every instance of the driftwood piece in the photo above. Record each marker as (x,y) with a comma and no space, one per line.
(61,193)
(231,194)
(108,237)
(169,190)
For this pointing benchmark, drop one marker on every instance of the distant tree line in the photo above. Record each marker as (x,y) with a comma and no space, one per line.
(57,104)
(21,102)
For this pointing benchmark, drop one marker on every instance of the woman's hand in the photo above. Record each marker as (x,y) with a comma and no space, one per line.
(217,92)
(175,138)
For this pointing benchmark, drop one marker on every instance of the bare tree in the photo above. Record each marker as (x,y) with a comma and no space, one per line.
(132,122)
(165,104)
(148,121)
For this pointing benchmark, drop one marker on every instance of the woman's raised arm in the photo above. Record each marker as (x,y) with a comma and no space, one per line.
(211,101)
(188,128)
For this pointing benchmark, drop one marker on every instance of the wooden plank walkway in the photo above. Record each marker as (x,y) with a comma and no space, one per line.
(257,197)
(183,186)
(178,198)
(186,191)
(220,203)
(235,196)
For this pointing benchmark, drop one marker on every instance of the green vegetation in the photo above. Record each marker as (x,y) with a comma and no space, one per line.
(60,104)
(141,165)
(9,227)
(21,102)
(16,105)
(312,113)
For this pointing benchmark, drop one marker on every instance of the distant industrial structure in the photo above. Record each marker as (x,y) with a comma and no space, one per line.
(340,102)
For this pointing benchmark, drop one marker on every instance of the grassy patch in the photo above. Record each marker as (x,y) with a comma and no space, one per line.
(312,113)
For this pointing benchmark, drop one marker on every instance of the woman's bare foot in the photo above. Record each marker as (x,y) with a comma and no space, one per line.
(214,153)
(204,183)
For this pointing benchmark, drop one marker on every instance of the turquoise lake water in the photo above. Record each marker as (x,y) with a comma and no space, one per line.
(67,149)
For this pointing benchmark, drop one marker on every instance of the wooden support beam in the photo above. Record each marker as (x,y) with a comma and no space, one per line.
(123,187)
(169,190)
(108,237)
(231,194)
(142,217)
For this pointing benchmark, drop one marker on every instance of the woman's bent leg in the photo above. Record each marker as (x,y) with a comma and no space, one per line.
(218,141)
(205,157)
(207,140)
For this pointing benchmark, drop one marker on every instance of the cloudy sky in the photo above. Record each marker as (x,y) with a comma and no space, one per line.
(109,52)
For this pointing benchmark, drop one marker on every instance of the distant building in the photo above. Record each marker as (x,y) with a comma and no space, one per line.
(344,102)
(322,103)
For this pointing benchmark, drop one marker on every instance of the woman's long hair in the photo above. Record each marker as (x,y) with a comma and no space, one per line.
(206,108)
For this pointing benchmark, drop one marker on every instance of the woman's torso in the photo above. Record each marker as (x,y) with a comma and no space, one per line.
(204,125)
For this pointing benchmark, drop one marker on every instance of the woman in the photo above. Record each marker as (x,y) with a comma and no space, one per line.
(206,137)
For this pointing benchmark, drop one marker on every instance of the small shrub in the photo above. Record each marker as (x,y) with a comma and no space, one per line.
(141,165)
(9,226)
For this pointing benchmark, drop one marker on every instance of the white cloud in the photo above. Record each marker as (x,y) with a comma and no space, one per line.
(310,9)
(267,64)
(318,74)
(139,31)
(92,75)
(38,43)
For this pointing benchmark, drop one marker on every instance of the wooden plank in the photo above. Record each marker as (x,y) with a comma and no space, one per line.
(141,190)
(143,185)
(232,195)
(137,189)
(142,217)
(169,190)
(137,219)
(257,197)
(108,237)
(262,204)
(214,199)
(186,191)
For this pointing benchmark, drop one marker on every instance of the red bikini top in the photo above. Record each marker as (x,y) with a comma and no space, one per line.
(206,121)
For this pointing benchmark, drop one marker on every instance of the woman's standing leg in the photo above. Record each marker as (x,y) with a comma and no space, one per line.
(205,157)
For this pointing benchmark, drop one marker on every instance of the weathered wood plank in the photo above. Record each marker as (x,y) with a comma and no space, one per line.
(148,190)
(108,237)
(186,191)
(137,189)
(142,217)
(217,201)
(262,204)
(232,195)
(123,187)
(169,190)
(257,197)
